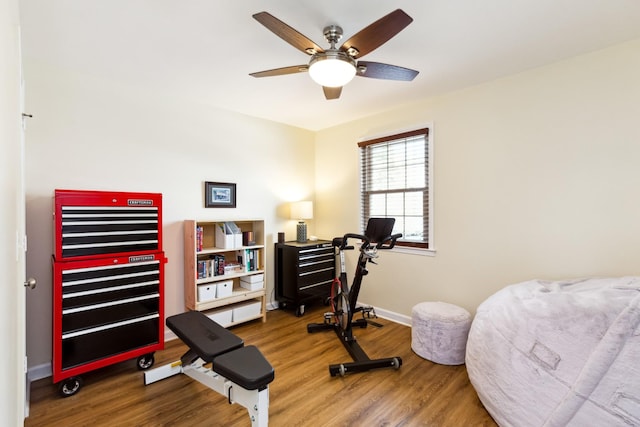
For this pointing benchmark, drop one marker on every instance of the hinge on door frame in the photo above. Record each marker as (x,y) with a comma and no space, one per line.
(24,123)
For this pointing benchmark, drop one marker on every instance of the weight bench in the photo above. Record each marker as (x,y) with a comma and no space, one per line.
(240,373)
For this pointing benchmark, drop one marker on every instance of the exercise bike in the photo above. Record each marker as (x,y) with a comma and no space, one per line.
(343,300)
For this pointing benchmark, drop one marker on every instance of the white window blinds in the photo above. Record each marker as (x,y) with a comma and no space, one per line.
(394,183)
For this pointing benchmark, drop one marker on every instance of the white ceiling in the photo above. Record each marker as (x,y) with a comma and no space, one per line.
(205,50)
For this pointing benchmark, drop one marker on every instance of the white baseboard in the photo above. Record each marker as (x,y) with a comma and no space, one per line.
(39,372)
(169,335)
(389,315)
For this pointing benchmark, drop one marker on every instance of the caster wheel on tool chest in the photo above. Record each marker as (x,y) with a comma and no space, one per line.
(70,386)
(300,310)
(145,361)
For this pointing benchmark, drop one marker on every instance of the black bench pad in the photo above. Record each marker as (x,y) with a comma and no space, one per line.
(246,367)
(204,336)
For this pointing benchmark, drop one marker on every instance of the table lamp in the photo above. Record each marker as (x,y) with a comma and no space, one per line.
(301,211)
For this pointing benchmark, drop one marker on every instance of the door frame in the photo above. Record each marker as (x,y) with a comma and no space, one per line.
(12,221)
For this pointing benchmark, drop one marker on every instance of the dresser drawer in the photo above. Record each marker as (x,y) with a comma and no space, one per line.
(89,318)
(81,348)
(313,277)
(305,255)
(311,266)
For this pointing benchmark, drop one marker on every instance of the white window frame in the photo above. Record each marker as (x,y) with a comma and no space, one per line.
(431,249)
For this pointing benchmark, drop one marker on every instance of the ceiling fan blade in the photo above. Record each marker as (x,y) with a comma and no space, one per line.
(377,70)
(376,34)
(281,71)
(288,34)
(332,92)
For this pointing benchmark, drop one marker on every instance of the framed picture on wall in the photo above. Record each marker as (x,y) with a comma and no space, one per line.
(219,195)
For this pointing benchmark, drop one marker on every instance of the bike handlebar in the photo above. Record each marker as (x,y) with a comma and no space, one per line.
(393,238)
(341,242)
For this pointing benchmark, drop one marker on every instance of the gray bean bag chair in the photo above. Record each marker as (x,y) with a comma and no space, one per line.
(559,353)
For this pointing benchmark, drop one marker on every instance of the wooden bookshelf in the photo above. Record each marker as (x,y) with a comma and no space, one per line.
(202,244)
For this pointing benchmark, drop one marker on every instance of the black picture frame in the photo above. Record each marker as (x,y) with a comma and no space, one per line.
(219,195)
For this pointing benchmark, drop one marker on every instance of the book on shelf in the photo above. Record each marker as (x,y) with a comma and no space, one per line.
(199,234)
(212,266)
(248,258)
(218,265)
(202,269)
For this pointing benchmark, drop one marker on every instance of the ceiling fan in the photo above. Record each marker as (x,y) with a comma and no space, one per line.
(334,67)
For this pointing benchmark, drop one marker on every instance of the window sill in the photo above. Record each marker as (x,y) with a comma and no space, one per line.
(414,251)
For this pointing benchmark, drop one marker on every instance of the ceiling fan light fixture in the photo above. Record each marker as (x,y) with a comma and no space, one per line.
(332,68)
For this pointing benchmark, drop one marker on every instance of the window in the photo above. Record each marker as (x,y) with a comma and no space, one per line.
(394,183)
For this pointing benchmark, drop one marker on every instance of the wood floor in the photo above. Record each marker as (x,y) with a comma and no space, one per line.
(303,393)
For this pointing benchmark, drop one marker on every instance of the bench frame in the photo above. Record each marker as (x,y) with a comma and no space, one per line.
(218,359)
(255,401)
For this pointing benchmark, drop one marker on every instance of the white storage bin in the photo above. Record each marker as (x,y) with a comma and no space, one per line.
(248,310)
(206,292)
(252,286)
(253,278)
(224,289)
(223,317)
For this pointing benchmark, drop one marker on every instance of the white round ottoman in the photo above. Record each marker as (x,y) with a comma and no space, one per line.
(439,332)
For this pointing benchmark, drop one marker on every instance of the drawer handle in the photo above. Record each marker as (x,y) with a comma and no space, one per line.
(315,271)
(315,285)
(109,304)
(307,264)
(304,251)
(111,289)
(109,326)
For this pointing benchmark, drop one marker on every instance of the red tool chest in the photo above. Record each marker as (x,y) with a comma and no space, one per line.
(108,282)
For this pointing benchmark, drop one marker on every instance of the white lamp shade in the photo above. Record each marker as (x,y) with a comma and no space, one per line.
(332,70)
(302,210)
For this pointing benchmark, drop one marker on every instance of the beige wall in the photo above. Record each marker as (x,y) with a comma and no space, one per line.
(536,175)
(95,135)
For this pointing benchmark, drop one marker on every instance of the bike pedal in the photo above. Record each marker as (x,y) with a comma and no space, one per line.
(369,312)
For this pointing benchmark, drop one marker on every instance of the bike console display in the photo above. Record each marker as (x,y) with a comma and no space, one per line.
(379,229)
